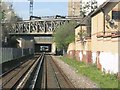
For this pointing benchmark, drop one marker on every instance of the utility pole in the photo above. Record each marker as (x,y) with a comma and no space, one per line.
(31,8)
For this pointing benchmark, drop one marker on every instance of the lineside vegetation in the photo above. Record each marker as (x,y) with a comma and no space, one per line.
(64,35)
(104,81)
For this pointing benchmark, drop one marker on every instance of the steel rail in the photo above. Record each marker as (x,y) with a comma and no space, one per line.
(37,73)
(19,72)
(28,74)
(63,75)
(4,82)
(5,73)
(56,78)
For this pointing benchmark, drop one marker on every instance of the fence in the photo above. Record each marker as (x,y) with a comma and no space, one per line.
(8,54)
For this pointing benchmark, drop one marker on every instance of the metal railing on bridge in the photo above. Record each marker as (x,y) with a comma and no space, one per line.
(40,26)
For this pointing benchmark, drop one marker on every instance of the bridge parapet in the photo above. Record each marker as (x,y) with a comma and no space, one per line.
(42,26)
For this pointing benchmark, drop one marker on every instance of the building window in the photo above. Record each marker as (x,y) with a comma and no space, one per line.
(116,15)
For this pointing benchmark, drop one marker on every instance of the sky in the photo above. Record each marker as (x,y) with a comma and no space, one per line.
(42,7)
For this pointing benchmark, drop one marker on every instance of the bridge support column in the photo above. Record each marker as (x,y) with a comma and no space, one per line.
(53,51)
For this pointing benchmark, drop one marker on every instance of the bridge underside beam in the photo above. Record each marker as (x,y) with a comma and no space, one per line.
(45,47)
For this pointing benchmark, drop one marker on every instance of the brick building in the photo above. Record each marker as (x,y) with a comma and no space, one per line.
(101,45)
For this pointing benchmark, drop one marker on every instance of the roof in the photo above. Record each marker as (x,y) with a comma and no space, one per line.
(103,6)
(84,21)
(80,24)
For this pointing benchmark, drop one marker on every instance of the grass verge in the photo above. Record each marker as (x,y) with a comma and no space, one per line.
(90,71)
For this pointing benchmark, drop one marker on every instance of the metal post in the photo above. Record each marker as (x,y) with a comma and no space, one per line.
(31,8)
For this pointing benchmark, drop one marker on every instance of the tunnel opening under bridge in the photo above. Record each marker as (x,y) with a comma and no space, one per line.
(43,48)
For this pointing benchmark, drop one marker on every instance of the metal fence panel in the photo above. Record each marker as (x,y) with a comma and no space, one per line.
(26,51)
(0,55)
(7,54)
(17,53)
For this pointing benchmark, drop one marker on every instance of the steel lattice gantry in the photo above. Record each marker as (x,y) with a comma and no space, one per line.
(45,26)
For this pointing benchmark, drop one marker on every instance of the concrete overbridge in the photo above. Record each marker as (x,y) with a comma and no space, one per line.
(40,31)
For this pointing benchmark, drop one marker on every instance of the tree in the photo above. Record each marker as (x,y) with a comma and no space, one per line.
(8,17)
(82,34)
(12,42)
(2,15)
(88,7)
(64,35)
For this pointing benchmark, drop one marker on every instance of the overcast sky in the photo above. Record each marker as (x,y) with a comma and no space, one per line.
(42,7)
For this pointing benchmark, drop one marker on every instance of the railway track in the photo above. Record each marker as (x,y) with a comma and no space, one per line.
(56,75)
(38,73)
(13,77)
